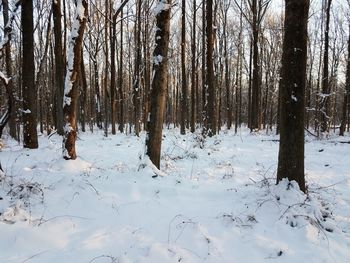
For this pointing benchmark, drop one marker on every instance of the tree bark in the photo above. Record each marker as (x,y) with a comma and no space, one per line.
(59,64)
(183,70)
(159,82)
(136,80)
(325,77)
(211,124)
(72,81)
(30,137)
(256,89)
(193,72)
(10,87)
(293,81)
(345,113)
(121,84)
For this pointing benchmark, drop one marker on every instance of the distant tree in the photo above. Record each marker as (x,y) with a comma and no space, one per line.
(113,40)
(292,85)
(210,81)
(257,10)
(30,135)
(120,78)
(159,82)
(346,103)
(325,75)
(183,69)
(59,64)
(137,74)
(70,99)
(194,84)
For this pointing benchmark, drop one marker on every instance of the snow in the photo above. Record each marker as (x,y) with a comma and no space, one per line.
(70,77)
(161,6)
(27,111)
(214,200)
(4,78)
(157,59)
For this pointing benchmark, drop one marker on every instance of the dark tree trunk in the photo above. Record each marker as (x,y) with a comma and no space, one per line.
(255,106)
(120,86)
(204,81)
(345,113)
(183,70)
(325,77)
(293,81)
(227,74)
(159,83)
(83,94)
(30,136)
(250,85)
(211,124)
(71,82)
(113,40)
(105,80)
(193,72)
(59,64)
(136,80)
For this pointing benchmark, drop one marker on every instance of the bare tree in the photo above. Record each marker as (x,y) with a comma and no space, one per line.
(346,103)
(183,69)
(325,76)
(210,81)
(257,9)
(137,64)
(194,83)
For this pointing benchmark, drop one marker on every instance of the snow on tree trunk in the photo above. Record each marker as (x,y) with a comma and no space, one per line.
(70,97)
(159,81)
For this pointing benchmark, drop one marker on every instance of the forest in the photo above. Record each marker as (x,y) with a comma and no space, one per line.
(199,117)
(115,75)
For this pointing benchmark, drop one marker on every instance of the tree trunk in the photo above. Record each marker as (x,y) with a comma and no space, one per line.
(7,29)
(159,82)
(59,64)
(30,136)
(293,81)
(113,40)
(183,70)
(325,77)
(136,80)
(227,74)
(83,93)
(211,125)
(345,113)
(204,81)
(256,71)
(120,87)
(193,72)
(105,80)
(72,81)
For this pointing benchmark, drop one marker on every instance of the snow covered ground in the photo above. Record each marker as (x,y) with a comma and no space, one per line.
(218,202)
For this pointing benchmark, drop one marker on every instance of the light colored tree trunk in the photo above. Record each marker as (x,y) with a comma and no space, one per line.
(72,80)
